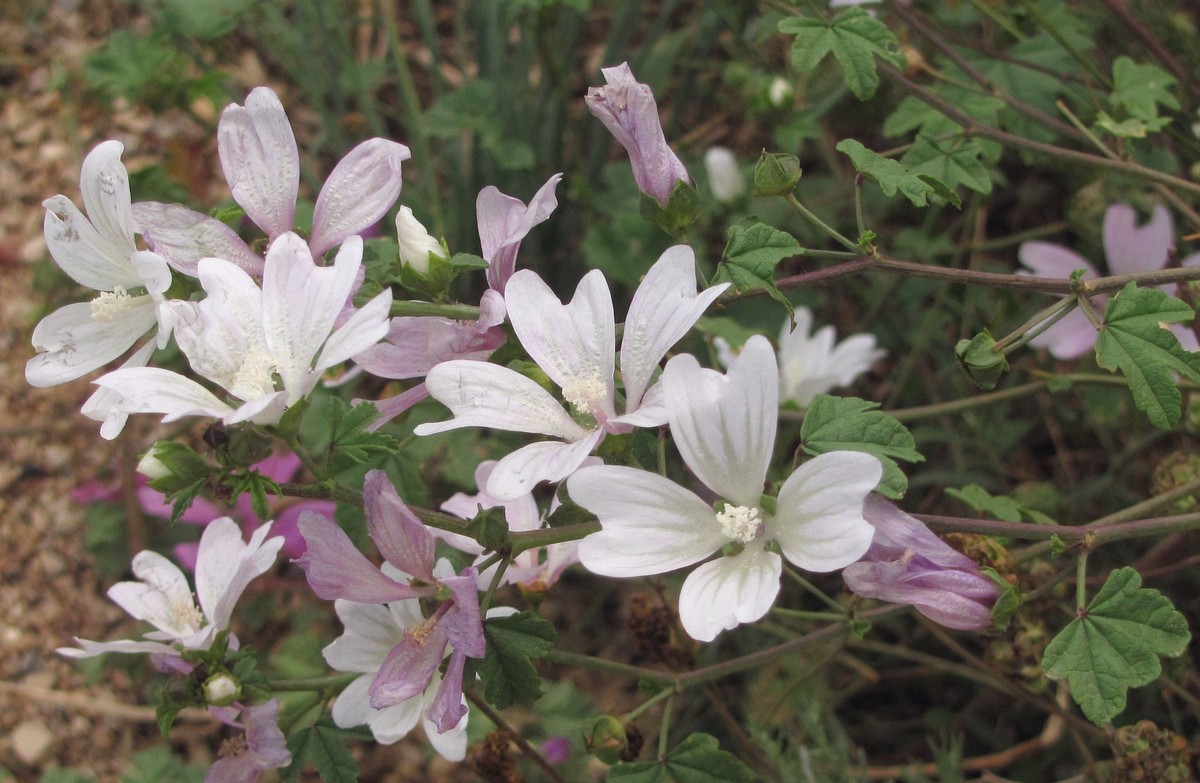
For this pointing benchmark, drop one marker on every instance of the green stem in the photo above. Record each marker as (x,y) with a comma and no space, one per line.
(486,602)
(1081,581)
(522,744)
(850,245)
(664,731)
(800,614)
(954,406)
(456,312)
(1040,322)
(633,714)
(334,682)
(326,490)
(307,461)
(794,575)
(1093,535)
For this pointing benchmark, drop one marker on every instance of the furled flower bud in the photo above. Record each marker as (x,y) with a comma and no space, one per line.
(221,690)
(908,564)
(151,466)
(415,242)
(724,178)
(627,109)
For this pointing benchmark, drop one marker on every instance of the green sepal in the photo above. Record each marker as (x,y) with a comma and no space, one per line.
(776,174)
(982,363)
(680,211)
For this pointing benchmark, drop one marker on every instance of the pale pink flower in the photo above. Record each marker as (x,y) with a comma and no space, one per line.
(573,344)
(908,564)
(263,748)
(1128,249)
(504,221)
(724,427)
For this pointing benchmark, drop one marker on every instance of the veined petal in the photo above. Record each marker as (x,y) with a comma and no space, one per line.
(301,302)
(665,306)
(162,598)
(336,569)
(367,326)
(480,394)
(87,256)
(183,237)
(448,707)
(358,192)
(820,525)
(452,743)
(402,539)
(260,160)
(464,623)
(71,342)
(729,591)
(225,565)
(104,404)
(155,390)
(90,649)
(518,473)
(392,407)
(223,334)
(371,633)
(724,425)
(387,725)
(573,343)
(1130,248)
(649,524)
(409,666)
(104,183)
(504,221)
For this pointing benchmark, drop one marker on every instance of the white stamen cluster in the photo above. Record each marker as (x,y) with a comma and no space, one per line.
(740,523)
(111,305)
(254,377)
(582,393)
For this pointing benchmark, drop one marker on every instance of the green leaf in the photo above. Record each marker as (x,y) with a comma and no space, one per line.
(1139,88)
(698,759)
(999,506)
(1134,341)
(751,255)
(158,764)
(894,176)
(1114,644)
(953,162)
(854,36)
(324,746)
(508,675)
(1132,128)
(350,436)
(851,424)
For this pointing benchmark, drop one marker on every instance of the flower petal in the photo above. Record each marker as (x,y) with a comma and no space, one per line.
(225,565)
(1129,248)
(162,598)
(336,569)
(1047,259)
(665,307)
(409,667)
(402,539)
(104,183)
(1071,337)
(358,192)
(488,395)
(449,707)
(183,237)
(729,591)
(155,390)
(71,342)
(260,160)
(820,524)
(724,425)
(504,221)
(371,633)
(649,524)
(367,326)
(88,257)
(518,473)
(572,342)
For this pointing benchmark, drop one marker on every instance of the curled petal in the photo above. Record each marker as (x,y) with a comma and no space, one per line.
(1047,259)
(409,666)
(518,473)
(449,707)
(87,256)
(104,183)
(359,191)
(183,237)
(260,160)
(403,540)
(504,221)
(336,569)
(665,307)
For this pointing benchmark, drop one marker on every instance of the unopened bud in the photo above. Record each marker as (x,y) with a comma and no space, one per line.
(776,174)
(724,178)
(780,92)
(415,242)
(607,740)
(151,466)
(221,690)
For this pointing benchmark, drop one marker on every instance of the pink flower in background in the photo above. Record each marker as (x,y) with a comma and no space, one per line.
(264,747)
(1128,249)
(627,109)
(908,564)
(262,166)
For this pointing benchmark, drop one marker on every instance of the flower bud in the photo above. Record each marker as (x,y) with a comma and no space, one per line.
(724,178)
(780,92)
(627,109)
(415,242)
(221,690)
(776,174)
(151,466)
(607,739)
(908,564)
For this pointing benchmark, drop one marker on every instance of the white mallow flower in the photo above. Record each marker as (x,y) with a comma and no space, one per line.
(724,427)
(724,178)
(98,251)
(225,565)
(573,344)
(813,364)
(252,341)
